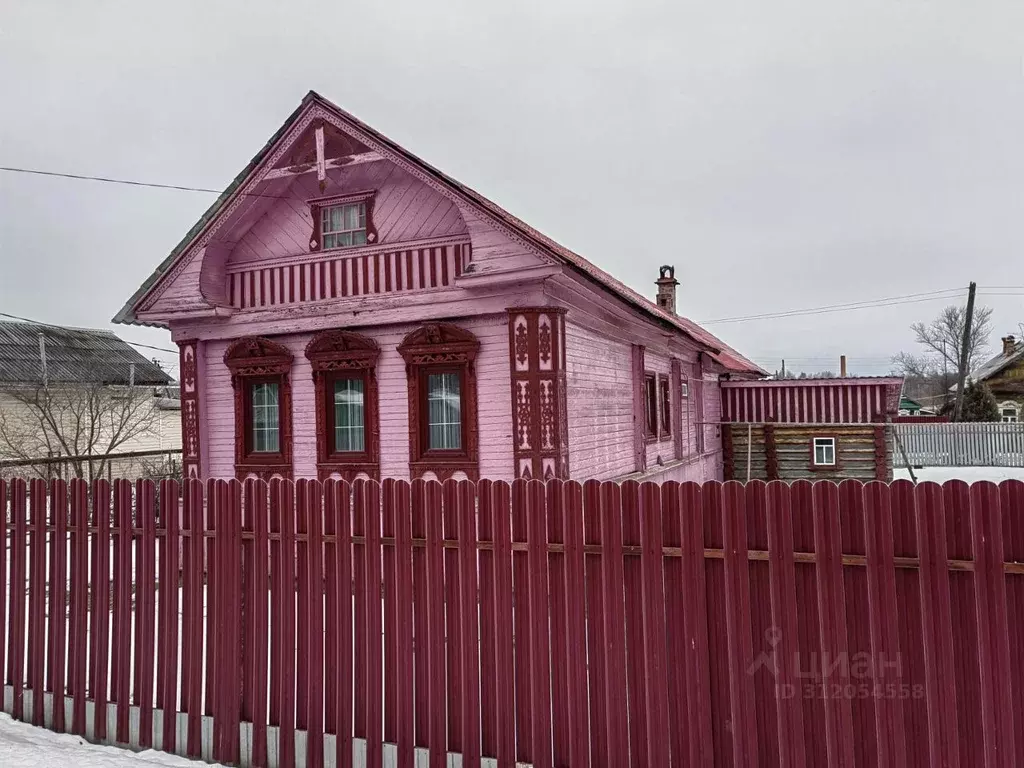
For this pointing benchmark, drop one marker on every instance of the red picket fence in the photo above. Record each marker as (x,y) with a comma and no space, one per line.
(558,624)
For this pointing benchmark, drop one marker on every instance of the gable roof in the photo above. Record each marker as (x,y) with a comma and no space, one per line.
(993,366)
(727,356)
(73,356)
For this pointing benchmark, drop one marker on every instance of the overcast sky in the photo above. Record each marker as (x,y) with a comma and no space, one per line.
(782,155)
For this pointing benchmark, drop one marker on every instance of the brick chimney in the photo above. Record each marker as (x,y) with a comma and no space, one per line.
(667,288)
(1009,344)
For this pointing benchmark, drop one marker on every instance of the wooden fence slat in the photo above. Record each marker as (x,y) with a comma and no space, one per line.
(453,615)
(465,516)
(338,515)
(373,660)
(429,496)
(229,641)
(737,606)
(613,587)
(37,597)
(1011,498)
(997,699)
(885,649)
(655,654)
(594,606)
(522,622)
(420,617)
(388,561)
(401,501)
(504,651)
(4,549)
(248,597)
(99,628)
(145,611)
(78,643)
(168,634)
(832,617)
(782,583)
(488,668)
(121,639)
(937,626)
(359,606)
(193,614)
(58,608)
(312,511)
(695,705)
(283,619)
(633,585)
(257,617)
(212,594)
(557,622)
(301,590)
(575,660)
(540,660)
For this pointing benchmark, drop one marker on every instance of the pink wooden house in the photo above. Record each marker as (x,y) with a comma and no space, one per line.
(344,309)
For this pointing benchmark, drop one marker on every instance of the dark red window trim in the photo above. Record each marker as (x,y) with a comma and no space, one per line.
(435,348)
(319,203)
(341,354)
(253,360)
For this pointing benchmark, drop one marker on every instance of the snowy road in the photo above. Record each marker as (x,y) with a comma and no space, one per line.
(24,746)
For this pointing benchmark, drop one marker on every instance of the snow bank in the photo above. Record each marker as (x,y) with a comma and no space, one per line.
(25,746)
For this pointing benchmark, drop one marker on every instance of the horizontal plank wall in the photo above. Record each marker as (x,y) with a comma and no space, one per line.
(783,451)
(494,408)
(308,624)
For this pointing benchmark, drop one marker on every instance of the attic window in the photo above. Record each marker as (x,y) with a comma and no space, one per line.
(343,226)
(342,221)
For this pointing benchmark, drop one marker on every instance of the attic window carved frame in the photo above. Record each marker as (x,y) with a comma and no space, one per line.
(258,368)
(441,350)
(319,209)
(342,356)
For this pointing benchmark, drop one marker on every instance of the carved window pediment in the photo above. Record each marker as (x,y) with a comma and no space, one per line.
(255,356)
(340,350)
(439,343)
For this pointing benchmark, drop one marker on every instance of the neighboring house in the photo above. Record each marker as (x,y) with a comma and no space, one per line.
(72,391)
(911,407)
(813,429)
(345,309)
(1004,375)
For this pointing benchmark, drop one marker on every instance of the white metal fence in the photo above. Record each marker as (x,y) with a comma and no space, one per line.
(969,444)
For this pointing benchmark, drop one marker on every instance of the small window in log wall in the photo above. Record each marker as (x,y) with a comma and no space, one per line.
(824,451)
(651,406)
(664,392)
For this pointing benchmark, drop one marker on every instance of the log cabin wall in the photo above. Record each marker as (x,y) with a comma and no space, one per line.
(784,452)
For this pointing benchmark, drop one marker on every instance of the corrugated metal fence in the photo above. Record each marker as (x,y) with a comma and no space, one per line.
(964,444)
(552,624)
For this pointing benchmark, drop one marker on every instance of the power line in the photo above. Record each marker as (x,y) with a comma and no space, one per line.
(129,182)
(64,328)
(910,298)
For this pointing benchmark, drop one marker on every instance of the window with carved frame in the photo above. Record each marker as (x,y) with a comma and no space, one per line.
(345,382)
(342,221)
(260,371)
(651,406)
(440,366)
(665,403)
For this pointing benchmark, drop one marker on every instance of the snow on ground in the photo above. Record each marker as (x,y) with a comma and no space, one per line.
(25,746)
(967,474)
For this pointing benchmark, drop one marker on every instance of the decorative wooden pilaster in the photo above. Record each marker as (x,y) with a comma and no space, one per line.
(188,365)
(639,417)
(771,453)
(540,430)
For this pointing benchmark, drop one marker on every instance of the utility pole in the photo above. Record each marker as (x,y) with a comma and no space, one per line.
(783,369)
(961,375)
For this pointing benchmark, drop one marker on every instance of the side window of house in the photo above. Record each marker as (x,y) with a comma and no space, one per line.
(345,381)
(1009,412)
(684,413)
(260,376)
(824,451)
(440,361)
(651,406)
(665,396)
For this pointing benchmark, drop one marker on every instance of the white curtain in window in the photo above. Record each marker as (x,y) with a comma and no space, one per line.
(444,411)
(265,412)
(349,425)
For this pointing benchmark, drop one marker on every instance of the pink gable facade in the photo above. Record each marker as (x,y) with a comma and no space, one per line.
(550,353)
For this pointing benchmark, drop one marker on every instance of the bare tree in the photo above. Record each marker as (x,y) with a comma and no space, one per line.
(75,420)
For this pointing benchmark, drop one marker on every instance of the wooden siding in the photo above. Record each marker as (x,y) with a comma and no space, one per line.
(494,408)
(855,452)
(404,210)
(342,274)
(600,403)
(824,401)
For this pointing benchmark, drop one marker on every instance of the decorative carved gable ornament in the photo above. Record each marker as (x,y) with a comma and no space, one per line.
(439,343)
